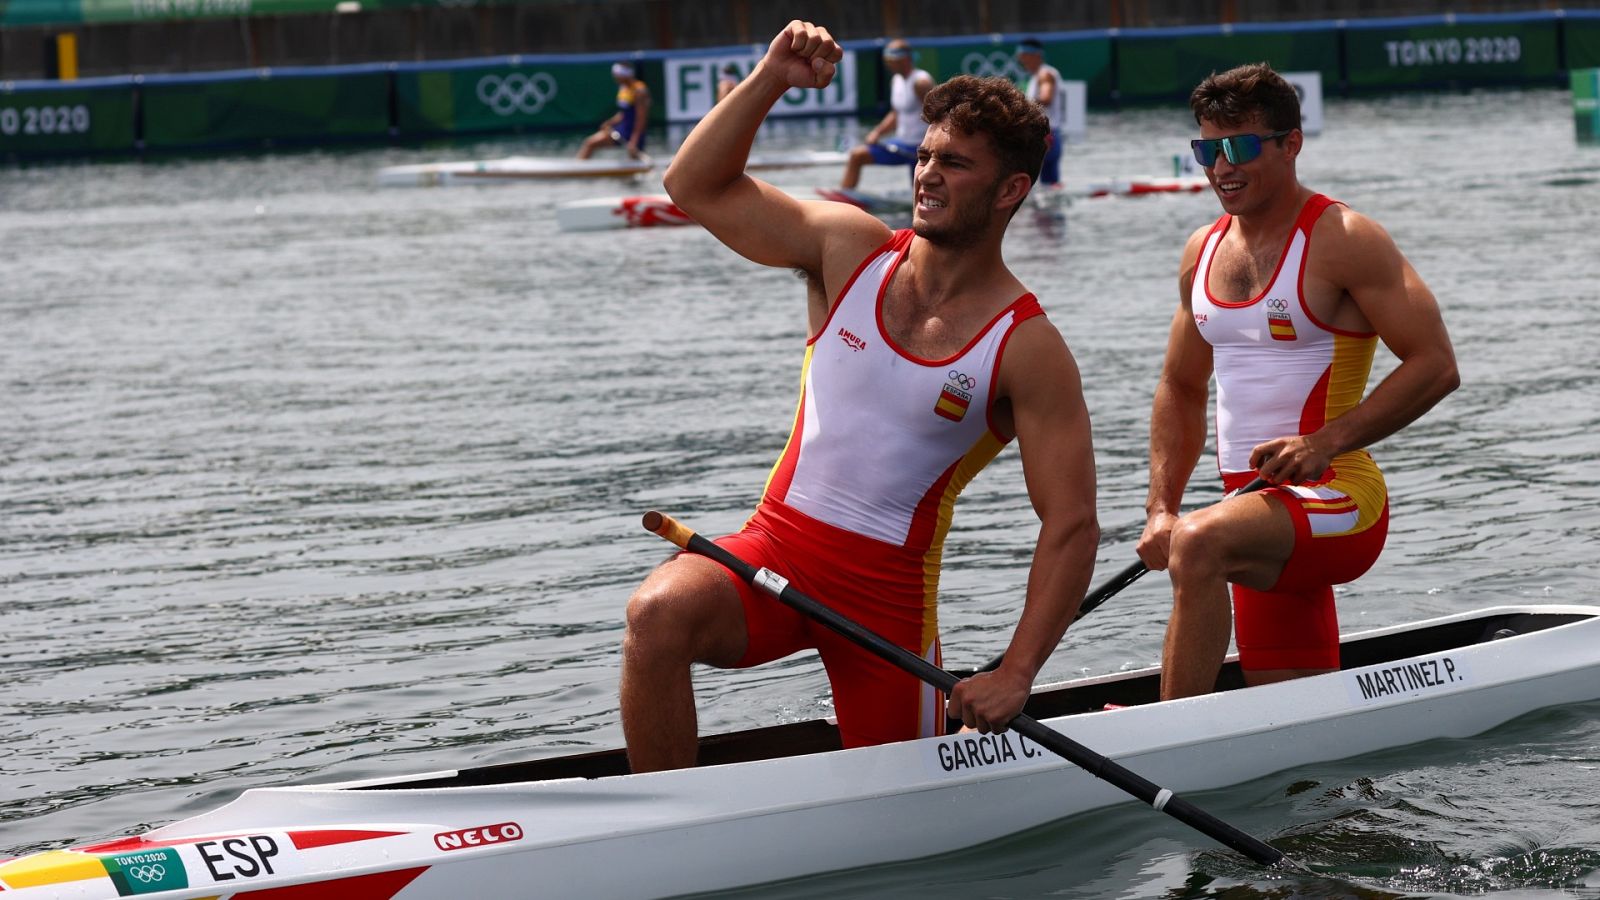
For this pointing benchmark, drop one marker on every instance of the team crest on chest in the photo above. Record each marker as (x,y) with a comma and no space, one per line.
(1279,324)
(956,396)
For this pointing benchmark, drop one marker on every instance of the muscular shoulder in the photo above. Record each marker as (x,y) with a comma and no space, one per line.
(1036,348)
(1348,247)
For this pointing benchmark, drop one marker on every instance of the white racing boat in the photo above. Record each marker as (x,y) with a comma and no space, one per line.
(784,801)
(525,168)
(511,168)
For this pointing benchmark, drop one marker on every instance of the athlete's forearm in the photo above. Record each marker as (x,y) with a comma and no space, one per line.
(1063,563)
(1177,437)
(1413,388)
(714,155)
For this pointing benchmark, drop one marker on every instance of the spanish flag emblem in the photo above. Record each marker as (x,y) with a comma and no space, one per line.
(953,403)
(1280,326)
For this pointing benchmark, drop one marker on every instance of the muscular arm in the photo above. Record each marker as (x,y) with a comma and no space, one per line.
(1041,381)
(756,220)
(1359,256)
(1177,415)
(1047,92)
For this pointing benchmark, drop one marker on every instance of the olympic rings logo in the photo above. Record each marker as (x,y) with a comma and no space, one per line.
(1278,304)
(148,874)
(967,382)
(996,63)
(517,92)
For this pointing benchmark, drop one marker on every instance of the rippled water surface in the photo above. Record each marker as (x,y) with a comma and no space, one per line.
(306,479)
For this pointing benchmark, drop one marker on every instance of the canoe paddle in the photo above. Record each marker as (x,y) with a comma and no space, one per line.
(1117,582)
(1162,799)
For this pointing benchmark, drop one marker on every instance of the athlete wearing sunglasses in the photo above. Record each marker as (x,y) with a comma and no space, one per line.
(1237,148)
(1284,299)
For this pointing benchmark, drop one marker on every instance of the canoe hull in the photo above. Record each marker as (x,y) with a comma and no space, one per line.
(724,826)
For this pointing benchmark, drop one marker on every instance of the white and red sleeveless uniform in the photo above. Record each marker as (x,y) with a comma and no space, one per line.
(857,507)
(1280,371)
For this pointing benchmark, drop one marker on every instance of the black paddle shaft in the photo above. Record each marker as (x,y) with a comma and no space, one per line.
(1095,764)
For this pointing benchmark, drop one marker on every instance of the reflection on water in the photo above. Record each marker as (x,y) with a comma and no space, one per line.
(306,480)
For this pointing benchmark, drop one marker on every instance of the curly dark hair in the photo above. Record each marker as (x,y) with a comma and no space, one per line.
(1244,92)
(1017,127)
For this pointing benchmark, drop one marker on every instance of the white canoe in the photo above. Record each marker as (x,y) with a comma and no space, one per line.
(483,171)
(783,802)
(515,168)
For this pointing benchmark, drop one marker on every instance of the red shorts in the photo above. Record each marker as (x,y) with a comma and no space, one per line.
(880,586)
(1340,526)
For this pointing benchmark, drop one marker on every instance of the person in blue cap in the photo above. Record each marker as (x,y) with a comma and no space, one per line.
(1044,87)
(907,87)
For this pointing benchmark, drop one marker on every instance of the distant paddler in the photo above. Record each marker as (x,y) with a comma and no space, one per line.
(626,127)
(926,357)
(894,140)
(1044,87)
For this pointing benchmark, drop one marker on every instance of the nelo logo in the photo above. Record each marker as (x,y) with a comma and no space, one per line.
(481,836)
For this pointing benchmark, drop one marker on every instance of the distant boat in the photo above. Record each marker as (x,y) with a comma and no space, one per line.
(515,168)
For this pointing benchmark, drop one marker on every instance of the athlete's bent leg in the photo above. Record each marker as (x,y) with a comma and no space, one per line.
(859,156)
(686,611)
(593,142)
(1243,539)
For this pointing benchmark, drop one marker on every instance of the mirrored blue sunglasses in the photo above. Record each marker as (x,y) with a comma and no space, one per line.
(1239,148)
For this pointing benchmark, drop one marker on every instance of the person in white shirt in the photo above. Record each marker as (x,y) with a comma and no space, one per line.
(895,139)
(1044,88)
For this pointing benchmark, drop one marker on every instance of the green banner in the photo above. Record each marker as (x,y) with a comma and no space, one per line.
(1583,42)
(66,120)
(509,96)
(1586,103)
(1168,67)
(40,12)
(166,10)
(72,12)
(266,108)
(1087,60)
(1496,52)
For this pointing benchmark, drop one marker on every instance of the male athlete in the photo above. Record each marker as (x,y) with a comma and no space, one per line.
(925,357)
(908,85)
(626,127)
(1044,87)
(1285,298)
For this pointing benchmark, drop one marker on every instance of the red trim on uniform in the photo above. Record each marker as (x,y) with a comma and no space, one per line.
(305,840)
(877,314)
(1314,414)
(850,283)
(783,472)
(377,886)
(919,537)
(1027,307)
(1222,226)
(1307,221)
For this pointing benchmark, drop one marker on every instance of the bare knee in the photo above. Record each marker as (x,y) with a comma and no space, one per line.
(1198,550)
(679,616)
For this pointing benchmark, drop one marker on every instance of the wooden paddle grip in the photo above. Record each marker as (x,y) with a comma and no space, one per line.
(668,527)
